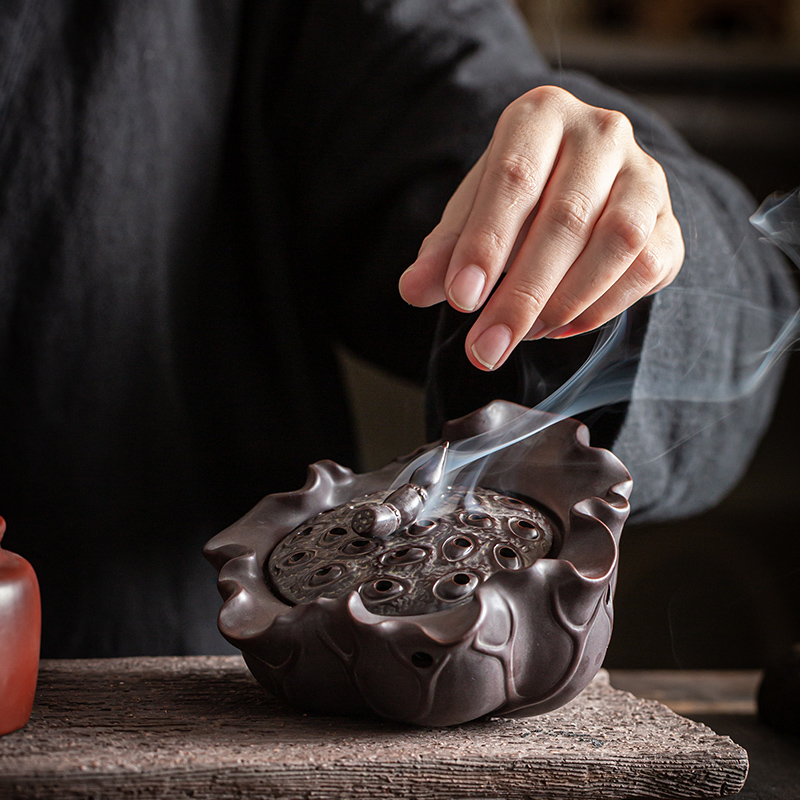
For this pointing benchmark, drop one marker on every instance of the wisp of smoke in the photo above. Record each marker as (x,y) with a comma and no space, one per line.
(610,373)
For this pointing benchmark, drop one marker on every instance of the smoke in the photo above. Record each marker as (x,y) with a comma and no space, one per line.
(611,374)
(778,219)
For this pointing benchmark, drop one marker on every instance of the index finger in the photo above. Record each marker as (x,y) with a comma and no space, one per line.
(519,161)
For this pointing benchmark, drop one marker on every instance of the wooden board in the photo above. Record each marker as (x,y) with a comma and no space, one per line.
(694,691)
(201,727)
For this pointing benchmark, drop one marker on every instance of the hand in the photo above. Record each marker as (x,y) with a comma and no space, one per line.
(575,213)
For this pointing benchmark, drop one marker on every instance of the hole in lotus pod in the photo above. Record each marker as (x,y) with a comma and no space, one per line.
(477,520)
(304,532)
(507,557)
(421,660)
(381,589)
(510,501)
(456,586)
(457,547)
(334,535)
(524,528)
(358,547)
(327,574)
(297,558)
(422,526)
(405,555)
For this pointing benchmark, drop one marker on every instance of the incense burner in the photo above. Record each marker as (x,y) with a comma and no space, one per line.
(434,601)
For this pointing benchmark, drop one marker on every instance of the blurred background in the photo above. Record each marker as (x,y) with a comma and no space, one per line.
(721,590)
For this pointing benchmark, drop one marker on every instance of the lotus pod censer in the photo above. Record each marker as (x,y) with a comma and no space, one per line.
(436,601)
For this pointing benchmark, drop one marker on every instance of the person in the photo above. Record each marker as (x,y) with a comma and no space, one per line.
(201,200)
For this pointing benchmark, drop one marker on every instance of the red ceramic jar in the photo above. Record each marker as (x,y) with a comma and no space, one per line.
(20,634)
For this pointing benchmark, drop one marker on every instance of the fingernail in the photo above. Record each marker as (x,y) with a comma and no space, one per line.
(466,288)
(491,345)
(560,333)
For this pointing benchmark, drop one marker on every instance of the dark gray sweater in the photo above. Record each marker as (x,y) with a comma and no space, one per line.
(198,201)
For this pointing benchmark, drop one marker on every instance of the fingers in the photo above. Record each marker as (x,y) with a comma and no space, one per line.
(573,201)
(603,237)
(655,267)
(518,164)
(621,232)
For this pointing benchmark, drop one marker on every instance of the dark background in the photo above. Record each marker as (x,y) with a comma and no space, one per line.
(721,590)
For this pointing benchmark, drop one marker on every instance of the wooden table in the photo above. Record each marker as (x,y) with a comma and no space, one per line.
(725,701)
(202,728)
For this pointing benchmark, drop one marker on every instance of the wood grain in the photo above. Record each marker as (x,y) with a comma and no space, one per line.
(201,727)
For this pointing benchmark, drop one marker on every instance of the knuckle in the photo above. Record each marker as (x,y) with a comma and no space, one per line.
(614,124)
(486,246)
(517,172)
(572,213)
(547,100)
(647,270)
(492,240)
(550,94)
(562,308)
(628,232)
(528,299)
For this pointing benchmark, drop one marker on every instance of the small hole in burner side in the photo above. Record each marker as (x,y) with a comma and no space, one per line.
(462,579)
(304,532)
(383,586)
(462,542)
(507,552)
(337,532)
(422,660)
